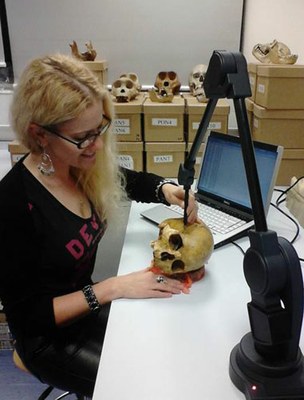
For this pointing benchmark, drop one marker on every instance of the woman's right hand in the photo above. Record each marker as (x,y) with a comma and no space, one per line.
(144,284)
(140,285)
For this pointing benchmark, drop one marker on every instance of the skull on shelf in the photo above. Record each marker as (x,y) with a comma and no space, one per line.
(180,249)
(124,90)
(167,85)
(89,55)
(196,81)
(134,77)
(274,53)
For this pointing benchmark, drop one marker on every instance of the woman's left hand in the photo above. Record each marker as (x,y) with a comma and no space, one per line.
(176,195)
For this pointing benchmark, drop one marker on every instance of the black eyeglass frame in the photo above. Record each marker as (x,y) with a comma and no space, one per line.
(90,137)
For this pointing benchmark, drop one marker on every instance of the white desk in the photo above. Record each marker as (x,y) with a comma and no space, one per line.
(179,348)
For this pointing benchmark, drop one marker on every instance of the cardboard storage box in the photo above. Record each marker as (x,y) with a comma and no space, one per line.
(16,150)
(164,122)
(249,108)
(164,158)
(295,204)
(195,111)
(100,68)
(284,127)
(292,164)
(127,121)
(198,159)
(130,155)
(252,74)
(280,86)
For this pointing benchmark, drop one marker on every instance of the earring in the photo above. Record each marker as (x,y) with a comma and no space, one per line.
(46,166)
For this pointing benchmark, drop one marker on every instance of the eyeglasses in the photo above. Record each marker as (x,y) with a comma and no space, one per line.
(89,139)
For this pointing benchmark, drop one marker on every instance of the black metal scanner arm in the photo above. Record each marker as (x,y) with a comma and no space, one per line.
(267,363)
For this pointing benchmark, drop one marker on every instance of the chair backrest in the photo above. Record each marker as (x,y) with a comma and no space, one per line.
(18,362)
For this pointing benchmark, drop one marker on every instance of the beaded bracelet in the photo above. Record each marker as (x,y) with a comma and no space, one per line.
(91,298)
(159,193)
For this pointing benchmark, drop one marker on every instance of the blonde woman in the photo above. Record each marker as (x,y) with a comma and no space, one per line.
(55,205)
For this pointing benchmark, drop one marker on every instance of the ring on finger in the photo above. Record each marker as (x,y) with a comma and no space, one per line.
(160,279)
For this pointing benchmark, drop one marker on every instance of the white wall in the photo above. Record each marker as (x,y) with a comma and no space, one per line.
(36,25)
(139,36)
(274,19)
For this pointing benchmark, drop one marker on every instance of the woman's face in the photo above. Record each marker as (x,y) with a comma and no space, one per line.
(66,154)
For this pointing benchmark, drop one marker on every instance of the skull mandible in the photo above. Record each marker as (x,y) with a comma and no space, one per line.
(274,53)
(179,248)
(196,81)
(124,90)
(167,83)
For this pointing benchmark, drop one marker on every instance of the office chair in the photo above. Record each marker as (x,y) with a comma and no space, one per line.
(44,395)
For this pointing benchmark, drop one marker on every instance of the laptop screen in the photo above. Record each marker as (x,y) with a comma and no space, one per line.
(223,173)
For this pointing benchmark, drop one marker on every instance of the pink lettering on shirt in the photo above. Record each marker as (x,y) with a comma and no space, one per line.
(76,248)
(94,223)
(86,236)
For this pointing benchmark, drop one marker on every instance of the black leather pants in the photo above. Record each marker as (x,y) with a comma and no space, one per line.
(70,360)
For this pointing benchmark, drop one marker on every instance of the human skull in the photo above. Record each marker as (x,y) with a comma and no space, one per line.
(179,248)
(134,77)
(274,53)
(196,81)
(124,90)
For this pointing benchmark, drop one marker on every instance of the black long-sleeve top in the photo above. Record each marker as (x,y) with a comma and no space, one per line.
(46,250)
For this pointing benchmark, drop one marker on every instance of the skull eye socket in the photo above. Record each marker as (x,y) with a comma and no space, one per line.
(129,84)
(162,75)
(117,84)
(177,265)
(196,75)
(172,75)
(175,241)
(166,256)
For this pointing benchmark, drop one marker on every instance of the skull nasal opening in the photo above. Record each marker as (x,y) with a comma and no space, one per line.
(178,265)
(166,256)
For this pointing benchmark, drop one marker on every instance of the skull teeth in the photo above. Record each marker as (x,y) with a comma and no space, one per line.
(122,99)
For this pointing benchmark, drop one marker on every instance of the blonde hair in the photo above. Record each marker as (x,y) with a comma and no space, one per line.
(54,89)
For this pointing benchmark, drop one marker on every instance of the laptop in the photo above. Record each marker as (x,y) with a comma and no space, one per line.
(222,189)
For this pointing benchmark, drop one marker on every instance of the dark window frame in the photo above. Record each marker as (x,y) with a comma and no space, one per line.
(7,72)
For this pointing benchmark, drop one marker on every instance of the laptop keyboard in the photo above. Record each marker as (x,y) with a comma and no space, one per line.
(217,220)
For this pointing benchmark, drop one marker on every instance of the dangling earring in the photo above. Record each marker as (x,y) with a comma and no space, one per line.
(46,166)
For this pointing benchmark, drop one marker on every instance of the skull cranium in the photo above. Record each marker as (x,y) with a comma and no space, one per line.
(196,81)
(124,90)
(167,82)
(167,85)
(274,53)
(179,248)
(134,77)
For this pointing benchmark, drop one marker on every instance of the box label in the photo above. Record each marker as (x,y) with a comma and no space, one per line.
(125,161)
(121,126)
(212,125)
(163,159)
(164,122)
